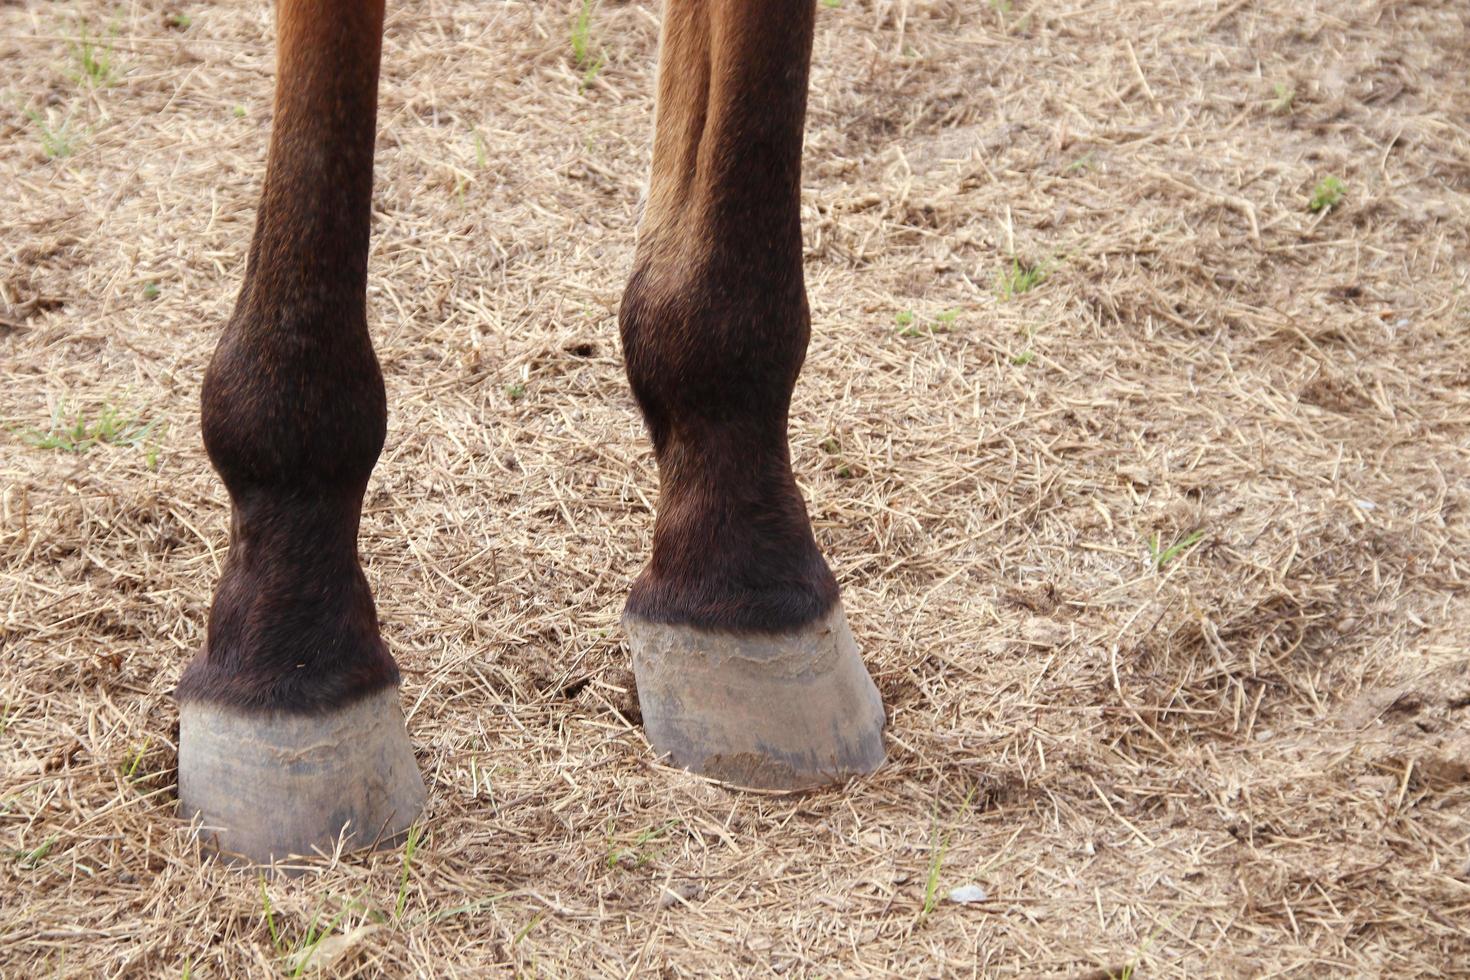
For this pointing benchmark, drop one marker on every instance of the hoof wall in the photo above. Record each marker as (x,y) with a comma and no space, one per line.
(269,785)
(768,711)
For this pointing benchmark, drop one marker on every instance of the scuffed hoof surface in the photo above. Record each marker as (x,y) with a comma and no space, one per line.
(266,786)
(769,711)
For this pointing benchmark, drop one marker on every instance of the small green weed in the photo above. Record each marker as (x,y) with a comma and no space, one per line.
(525,930)
(1327,194)
(583,55)
(29,859)
(582,34)
(131,773)
(301,957)
(938,848)
(270,916)
(150,290)
(1284,96)
(79,434)
(515,392)
(833,448)
(177,21)
(1024,358)
(637,852)
(482,155)
(297,955)
(415,835)
(140,772)
(832,4)
(1162,556)
(56,140)
(93,57)
(1020,278)
(941,322)
(1003,10)
(1082,163)
(238,112)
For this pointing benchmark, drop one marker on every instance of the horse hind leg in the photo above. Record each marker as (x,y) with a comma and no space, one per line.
(291,738)
(745,666)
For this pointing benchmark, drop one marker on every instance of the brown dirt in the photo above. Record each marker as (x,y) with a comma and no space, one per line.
(1251,761)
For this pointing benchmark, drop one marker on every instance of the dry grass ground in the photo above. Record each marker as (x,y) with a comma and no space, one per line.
(1072,309)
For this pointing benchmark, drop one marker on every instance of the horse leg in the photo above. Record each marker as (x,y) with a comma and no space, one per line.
(745,667)
(290,732)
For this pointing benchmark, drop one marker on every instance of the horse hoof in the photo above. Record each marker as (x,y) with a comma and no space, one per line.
(269,785)
(788,711)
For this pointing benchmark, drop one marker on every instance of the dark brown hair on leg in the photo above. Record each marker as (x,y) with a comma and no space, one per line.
(715,324)
(293,408)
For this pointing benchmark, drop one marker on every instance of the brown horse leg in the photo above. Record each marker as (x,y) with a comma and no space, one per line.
(745,667)
(290,732)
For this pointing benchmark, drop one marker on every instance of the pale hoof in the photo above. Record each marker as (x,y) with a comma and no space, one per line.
(269,785)
(771,711)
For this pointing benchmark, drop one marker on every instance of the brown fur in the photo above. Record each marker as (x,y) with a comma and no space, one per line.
(715,323)
(293,406)
(714,326)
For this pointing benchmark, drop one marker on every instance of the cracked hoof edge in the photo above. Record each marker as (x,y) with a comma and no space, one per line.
(792,710)
(269,785)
